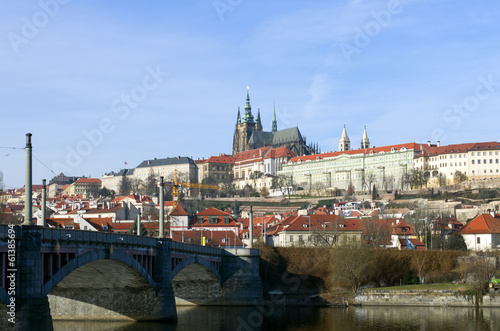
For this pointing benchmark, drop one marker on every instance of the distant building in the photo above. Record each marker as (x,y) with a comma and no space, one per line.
(477,161)
(85,186)
(248,134)
(112,180)
(383,166)
(218,168)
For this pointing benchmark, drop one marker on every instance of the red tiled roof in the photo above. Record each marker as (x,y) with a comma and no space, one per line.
(212,212)
(178,211)
(280,152)
(221,159)
(251,155)
(484,223)
(88,180)
(459,148)
(410,146)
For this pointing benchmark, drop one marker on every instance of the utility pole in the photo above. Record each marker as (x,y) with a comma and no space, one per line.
(162,206)
(28,183)
(250,228)
(44,202)
(138,223)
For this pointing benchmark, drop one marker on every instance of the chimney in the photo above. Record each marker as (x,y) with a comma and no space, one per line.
(429,143)
(492,212)
(438,143)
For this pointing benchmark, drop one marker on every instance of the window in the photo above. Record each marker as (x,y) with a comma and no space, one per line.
(478,240)
(491,161)
(291,238)
(472,161)
(300,238)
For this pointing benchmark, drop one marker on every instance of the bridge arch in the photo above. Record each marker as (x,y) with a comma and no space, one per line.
(195,281)
(196,260)
(91,256)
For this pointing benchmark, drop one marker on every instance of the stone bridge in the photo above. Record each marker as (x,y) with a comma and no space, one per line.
(50,274)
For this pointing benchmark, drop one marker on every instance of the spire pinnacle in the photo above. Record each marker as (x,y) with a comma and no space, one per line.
(274,124)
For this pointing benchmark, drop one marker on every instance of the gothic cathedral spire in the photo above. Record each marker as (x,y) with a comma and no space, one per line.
(248,117)
(275,124)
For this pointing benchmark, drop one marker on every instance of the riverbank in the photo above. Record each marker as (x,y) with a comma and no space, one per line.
(459,297)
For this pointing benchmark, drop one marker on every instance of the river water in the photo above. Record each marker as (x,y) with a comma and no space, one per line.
(309,319)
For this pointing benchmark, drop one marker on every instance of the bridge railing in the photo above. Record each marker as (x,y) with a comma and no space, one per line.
(195,249)
(92,237)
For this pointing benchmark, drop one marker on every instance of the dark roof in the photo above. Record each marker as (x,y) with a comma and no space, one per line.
(287,135)
(261,138)
(122,172)
(166,161)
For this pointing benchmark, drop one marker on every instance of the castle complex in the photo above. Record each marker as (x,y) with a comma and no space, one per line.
(248,134)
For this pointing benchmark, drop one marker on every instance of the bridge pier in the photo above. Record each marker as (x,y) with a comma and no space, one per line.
(32,307)
(242,283)
(165,309)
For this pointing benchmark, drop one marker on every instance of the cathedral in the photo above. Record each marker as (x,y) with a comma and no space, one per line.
(248,134)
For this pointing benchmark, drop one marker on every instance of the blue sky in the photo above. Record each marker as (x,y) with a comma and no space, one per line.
(408,70)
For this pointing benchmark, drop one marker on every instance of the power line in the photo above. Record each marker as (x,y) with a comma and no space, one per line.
(45,165)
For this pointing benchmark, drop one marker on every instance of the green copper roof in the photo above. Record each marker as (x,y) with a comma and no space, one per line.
(248,117)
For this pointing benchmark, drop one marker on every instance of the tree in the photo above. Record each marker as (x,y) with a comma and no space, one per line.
(227,187)
(148,187)
(369,180)
(105,192)
(125,187)
(455,242)
(459,177)
(136,185)
(377,232)
(207,192)
(374,192)
(282,183)
(264,192)
(349,266)
(441,180)
(350,190)
(133,229)
(247,191)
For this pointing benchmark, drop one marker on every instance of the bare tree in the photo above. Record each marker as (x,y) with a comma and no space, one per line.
(377,232)
(350,266)
(369,180)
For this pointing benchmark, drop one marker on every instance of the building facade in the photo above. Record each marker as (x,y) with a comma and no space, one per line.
(442,165)
(383,166)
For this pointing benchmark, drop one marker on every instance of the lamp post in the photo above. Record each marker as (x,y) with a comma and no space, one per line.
(162,211)
(28,213)
(44,202)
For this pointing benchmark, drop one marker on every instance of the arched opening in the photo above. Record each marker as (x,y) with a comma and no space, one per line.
(103,289)
(196,284)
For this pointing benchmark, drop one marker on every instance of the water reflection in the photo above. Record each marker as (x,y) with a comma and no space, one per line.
(308,319)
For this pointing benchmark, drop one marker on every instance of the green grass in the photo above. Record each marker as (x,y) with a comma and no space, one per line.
(423,287)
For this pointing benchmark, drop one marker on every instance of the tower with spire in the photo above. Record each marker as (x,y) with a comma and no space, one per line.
(344,143)
(365,142)
(274,124)
(245,126)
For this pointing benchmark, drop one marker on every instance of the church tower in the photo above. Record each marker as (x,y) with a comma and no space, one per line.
(245,126)
(274,124)
(344,143)
(365,142)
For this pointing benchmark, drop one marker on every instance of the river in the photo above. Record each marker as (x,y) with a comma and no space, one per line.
(309,319)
